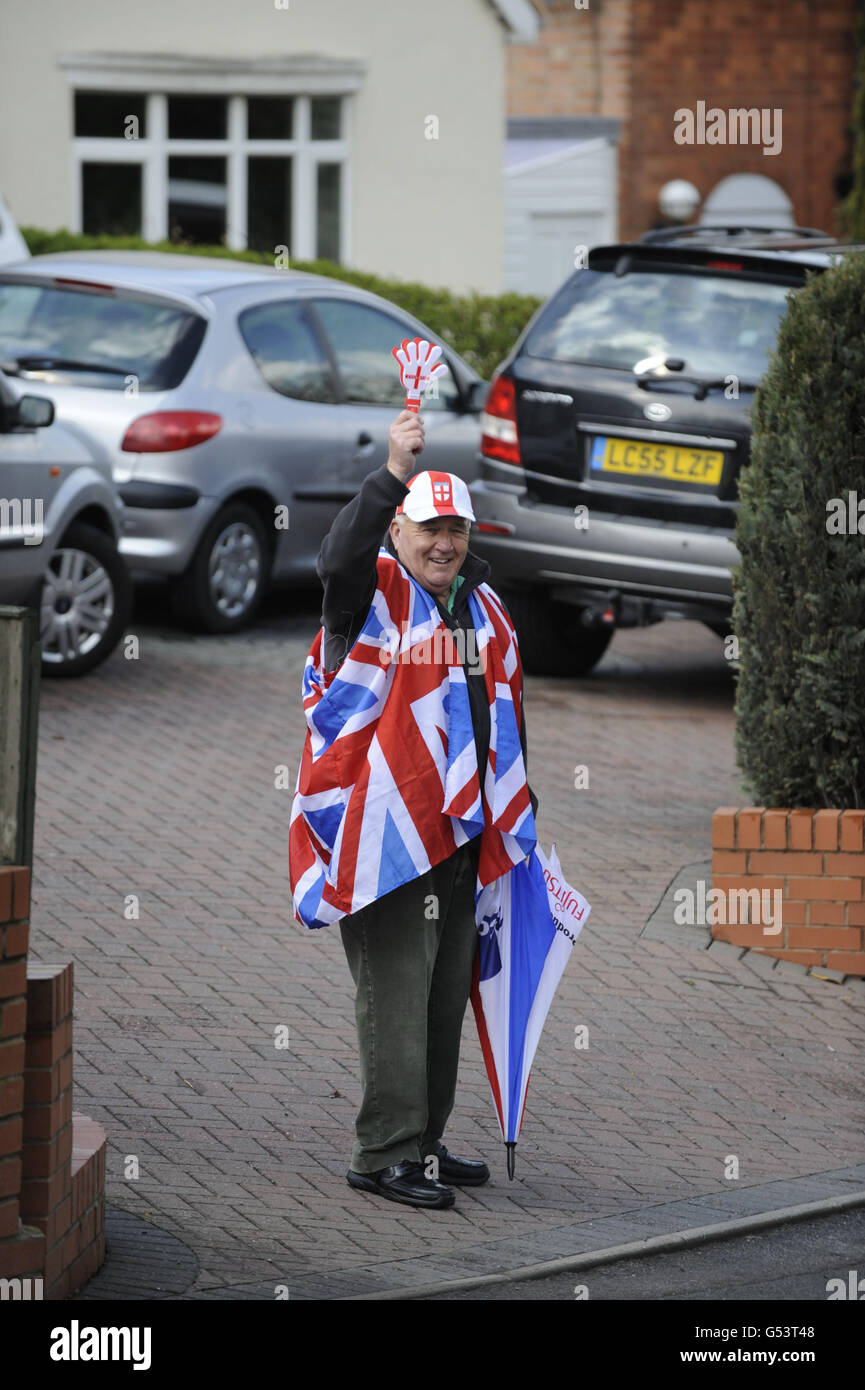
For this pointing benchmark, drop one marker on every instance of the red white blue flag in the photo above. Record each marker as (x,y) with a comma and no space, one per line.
(388,783)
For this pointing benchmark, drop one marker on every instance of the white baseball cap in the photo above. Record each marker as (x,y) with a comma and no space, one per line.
(436,494)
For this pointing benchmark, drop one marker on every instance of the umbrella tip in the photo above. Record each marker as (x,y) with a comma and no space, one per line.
(511,1147)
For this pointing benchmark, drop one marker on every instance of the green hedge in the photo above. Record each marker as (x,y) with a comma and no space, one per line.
(799,610)
(481,328)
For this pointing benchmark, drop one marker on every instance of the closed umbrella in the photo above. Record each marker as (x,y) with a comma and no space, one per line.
(528,920)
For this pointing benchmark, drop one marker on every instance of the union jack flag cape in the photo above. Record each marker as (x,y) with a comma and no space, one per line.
(388,783)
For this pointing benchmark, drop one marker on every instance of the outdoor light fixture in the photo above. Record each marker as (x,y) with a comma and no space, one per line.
(679,200)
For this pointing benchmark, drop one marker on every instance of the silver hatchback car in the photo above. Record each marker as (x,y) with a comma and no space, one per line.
(242,406)
(60,524)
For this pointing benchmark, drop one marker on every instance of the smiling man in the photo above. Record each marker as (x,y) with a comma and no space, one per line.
(433,547)
(385,834)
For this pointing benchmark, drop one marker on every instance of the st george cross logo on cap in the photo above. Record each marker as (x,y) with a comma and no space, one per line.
(436,494)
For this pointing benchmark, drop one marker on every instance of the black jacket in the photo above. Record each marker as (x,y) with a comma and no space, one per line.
(346,566)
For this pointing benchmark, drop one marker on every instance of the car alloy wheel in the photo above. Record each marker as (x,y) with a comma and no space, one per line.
(222,587)
(234,569)
(85,602)
(77,606)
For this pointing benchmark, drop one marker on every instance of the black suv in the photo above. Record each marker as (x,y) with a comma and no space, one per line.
(614,433)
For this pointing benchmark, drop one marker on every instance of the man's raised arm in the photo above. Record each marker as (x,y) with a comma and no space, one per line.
(346,562)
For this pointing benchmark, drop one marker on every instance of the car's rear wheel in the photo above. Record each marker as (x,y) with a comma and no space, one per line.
(85,604)
(553,641)
(223,586)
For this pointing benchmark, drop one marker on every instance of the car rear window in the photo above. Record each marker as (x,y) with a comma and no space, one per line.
(109,337)
(716,324)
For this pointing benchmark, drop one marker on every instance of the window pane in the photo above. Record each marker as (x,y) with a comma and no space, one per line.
(287,351)
(197,118)
(107,114)
(270,118)
(362,339)
(197,199)
(326,112)
(327,211)
(153,342)
(111,199)
(268,206)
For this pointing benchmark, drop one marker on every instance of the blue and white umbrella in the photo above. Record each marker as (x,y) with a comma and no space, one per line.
(528,921)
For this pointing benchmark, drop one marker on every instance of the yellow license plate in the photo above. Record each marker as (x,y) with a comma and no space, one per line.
(676,462)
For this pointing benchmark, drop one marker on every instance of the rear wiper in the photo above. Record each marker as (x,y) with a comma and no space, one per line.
(46,362)
(703,385)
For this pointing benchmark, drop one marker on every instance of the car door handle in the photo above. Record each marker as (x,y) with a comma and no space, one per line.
(365,445)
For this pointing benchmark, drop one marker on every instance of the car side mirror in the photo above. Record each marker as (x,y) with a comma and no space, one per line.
(33,412)
(476,396)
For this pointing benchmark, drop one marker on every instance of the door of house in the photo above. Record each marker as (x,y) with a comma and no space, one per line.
(553,246)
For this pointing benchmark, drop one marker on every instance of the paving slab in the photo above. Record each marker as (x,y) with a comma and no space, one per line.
(156,785)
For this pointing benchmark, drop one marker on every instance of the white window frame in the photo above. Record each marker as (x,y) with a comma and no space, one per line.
(160,76)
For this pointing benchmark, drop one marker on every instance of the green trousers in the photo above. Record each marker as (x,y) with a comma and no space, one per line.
(410,954)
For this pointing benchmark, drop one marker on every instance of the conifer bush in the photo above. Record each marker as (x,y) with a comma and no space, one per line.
(799,593)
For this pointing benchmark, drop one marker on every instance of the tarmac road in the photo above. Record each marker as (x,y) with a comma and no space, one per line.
(793,1262)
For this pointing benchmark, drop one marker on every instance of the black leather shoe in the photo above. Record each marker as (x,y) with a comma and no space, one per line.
(464,1172)
(404,1182)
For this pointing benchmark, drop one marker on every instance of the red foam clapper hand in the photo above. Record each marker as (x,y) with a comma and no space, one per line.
(417,368)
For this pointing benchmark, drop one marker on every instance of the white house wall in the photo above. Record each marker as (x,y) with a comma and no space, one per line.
(418,208)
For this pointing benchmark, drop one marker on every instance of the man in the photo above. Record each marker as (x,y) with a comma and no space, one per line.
(390,746)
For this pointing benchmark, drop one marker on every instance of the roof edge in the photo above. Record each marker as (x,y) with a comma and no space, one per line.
(521,18)
(563,127)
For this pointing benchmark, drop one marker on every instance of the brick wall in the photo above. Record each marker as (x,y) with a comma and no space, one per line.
(641,60)
(22,1250)
(793,54)
(816,860)
(580,66)
(52,1161)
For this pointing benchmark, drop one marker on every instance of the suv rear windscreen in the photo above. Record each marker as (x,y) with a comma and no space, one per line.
(96,338)
(718,325)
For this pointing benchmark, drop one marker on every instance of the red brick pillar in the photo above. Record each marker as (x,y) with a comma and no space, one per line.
(63,1181)
(22,1248)
(46,1200)
(52,1161)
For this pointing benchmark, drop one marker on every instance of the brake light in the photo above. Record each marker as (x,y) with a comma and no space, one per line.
(96,285)
(167,430)
(499,436)
(723,265)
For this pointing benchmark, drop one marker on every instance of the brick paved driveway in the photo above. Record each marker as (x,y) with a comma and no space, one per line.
(156,779)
